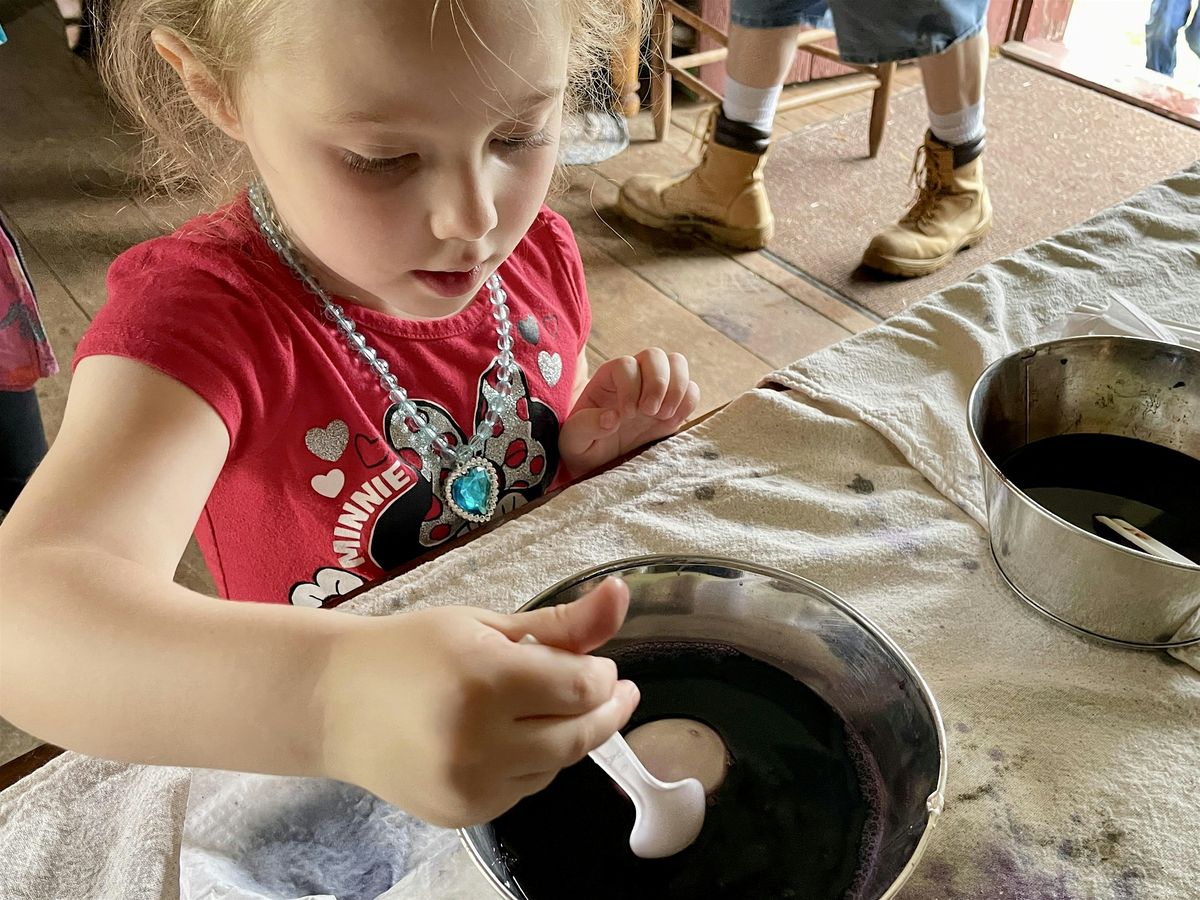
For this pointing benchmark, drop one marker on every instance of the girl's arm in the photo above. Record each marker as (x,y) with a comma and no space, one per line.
(99,650)
(442,712)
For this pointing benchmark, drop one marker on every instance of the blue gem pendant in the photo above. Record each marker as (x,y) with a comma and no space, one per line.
(472,488)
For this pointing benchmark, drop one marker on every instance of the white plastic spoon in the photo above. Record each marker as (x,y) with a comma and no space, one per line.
(1143,541)
(667,816)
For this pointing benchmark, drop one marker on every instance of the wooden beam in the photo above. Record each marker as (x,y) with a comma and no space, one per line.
(833,56)
(686,15)
(828,89)
(691,81)
(813,36)
(701,58)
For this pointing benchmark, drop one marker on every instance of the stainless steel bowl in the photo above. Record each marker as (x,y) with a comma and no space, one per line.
(1088,385)
(805,630)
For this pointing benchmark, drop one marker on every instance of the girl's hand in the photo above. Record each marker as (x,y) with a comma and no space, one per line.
(445,714)
(629,402)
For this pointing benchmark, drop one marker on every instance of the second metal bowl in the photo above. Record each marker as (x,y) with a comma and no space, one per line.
(1123,386)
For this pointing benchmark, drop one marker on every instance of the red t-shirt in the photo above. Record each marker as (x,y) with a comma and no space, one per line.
(322,489)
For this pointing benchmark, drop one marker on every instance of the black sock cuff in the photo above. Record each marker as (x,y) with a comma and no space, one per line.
(970,151)
(740,135)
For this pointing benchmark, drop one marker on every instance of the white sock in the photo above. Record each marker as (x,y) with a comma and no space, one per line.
(754,106)
(960,127)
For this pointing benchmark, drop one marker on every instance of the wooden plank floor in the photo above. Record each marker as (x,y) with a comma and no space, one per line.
(735,315)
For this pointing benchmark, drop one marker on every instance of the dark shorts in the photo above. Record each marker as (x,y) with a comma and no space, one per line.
(873,31)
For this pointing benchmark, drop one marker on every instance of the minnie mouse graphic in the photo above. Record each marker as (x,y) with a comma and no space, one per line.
(523,448)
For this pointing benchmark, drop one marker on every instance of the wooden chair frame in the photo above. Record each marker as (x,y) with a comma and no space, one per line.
(664,67)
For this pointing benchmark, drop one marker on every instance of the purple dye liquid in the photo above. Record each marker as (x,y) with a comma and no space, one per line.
(1080,476)
(795,818)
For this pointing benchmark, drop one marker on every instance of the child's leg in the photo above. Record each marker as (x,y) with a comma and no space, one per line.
(954,90)
(724,197)
(953,210)
(759,59)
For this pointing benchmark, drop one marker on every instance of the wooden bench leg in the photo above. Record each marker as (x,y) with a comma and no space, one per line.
(625,66)
(879,106)
(660,76)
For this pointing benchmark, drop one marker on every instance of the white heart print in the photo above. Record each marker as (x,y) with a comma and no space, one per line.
(550,365)
(330,484)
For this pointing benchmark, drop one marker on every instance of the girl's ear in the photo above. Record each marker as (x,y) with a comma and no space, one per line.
(200,85)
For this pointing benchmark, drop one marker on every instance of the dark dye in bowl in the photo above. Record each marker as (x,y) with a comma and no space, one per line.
(1080,476)
(795,817)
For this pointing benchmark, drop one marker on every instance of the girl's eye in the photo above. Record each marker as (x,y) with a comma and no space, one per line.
(377,164)
(542,138)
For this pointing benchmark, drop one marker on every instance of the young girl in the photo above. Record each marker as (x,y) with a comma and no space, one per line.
(377,346)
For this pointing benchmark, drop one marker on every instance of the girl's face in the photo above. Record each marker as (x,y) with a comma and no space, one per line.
(409,144)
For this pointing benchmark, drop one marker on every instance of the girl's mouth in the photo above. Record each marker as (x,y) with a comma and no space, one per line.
(449,284)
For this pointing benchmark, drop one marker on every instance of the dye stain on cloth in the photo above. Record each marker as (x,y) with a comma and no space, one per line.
(794,817)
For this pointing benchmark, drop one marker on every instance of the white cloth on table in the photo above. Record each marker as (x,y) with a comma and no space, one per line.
(909,378)
(1065,756)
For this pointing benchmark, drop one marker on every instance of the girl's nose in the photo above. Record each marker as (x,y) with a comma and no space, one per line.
(463,206)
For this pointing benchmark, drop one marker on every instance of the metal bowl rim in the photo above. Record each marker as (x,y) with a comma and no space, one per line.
(934,804)
(1033,350)
(1080,630)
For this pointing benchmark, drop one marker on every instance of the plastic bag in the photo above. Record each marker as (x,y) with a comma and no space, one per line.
(1116,315)
(266,837)
(591,137)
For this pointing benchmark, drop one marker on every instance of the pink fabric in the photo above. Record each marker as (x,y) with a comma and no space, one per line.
(25,354)
(322,488)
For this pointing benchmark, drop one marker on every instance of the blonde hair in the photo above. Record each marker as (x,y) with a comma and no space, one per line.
(183,152)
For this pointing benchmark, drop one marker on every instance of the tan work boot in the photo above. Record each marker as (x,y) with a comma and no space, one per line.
(723,197)
(952,212)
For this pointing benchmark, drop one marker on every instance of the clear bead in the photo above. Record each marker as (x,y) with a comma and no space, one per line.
(429,434)
(505,343)
(389,382)
(500,313)
(345,325)
(368,355)
(504,389)
(381,366)
(357,341)
(506,358)
(491,418)
(397,395)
